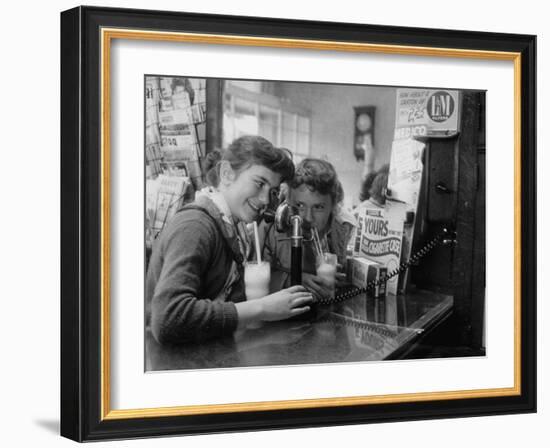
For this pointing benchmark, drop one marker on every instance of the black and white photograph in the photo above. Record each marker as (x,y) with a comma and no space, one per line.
(301,223)
(290,223)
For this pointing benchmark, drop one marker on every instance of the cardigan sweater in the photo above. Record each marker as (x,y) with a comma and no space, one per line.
(187,298)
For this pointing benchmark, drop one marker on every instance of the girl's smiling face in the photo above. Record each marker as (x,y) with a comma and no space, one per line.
(248,191)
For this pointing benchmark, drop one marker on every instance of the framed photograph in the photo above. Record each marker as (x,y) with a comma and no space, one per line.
(239,252)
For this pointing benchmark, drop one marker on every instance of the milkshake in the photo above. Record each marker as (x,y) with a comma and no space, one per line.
(256,279)
(326,268)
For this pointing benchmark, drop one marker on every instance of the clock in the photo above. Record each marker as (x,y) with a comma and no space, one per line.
(363,122)
(364,131)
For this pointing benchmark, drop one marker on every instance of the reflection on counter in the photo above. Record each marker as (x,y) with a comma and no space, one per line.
(341,333)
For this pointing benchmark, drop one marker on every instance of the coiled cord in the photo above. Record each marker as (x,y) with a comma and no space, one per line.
(437,240)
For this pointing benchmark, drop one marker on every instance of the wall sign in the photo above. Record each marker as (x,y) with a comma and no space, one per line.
(426,113)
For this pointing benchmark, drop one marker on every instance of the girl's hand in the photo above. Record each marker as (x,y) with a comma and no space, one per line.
(281,305)
(341,277)
(318,286)
(341,280)
(286,303)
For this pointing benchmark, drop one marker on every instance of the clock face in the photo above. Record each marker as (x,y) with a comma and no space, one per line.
(364,122)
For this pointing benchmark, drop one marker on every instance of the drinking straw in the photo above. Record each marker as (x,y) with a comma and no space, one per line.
(257,241)
(315,237)
(317,242)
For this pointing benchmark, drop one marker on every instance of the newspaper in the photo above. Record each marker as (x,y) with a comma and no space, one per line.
(164,195)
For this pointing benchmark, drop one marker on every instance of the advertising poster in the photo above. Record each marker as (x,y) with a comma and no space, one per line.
(382,236)
(426,113)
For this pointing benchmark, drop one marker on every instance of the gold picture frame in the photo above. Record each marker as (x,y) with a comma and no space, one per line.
(86,327)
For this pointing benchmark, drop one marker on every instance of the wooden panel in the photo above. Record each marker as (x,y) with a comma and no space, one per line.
(434,272)
(478,280)
(464,255)
(214,114)
(442,180)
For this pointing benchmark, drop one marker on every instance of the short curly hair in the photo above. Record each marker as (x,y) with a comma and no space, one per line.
(255,150)
(320,176)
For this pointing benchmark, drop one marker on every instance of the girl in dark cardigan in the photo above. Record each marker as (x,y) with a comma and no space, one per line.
(195,281)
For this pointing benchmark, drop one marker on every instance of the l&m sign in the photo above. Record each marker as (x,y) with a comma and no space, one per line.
(426,113)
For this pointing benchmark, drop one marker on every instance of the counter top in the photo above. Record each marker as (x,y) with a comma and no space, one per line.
(358,329)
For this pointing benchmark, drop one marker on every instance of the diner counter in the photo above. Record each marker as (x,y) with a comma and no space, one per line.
(356,330)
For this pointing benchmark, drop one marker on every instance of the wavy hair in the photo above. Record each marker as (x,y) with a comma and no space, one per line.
(320,176)
(251,150)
